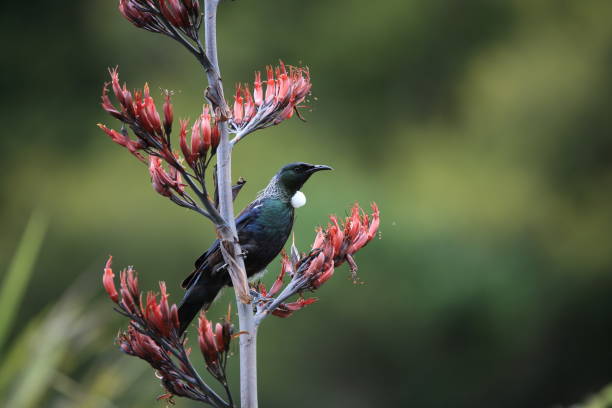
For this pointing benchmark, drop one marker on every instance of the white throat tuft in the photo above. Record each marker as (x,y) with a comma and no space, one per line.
(298,200)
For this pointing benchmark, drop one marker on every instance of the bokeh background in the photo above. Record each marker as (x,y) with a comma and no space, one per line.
(481,128)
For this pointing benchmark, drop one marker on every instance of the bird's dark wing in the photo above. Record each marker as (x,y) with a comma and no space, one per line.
(213,256)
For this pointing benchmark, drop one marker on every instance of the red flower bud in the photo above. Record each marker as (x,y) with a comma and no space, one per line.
(174,317)
(324,276)
(238,106)
(249,104)
(270,85)
(164,308)
(206,131)
(151,115)
(114,73)
(164,181)
(183,143)
(315,265)
(287,309)
(299,304)
(207,341)
(283,82)
(114,135)
(257,89)
(159,178)
(320,237)
(214,137)
(133,14)
(219,342)
(175,12)
(107,104)
(194,9)
(108,280)
(278,283)
(198,148)
(375,222)
(129,290)
(286,113)
(284,92)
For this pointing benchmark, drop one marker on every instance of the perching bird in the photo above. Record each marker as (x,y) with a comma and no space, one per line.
(263,229)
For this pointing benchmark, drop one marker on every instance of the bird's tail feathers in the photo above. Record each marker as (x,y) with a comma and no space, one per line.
(187,281)
(197,298)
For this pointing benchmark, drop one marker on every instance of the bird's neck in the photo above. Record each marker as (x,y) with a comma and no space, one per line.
(276,191)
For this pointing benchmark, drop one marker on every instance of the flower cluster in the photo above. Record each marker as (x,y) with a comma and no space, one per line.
(284,91)
(331,248)
(152,335)
(165,182)
(159,316)
(175,378)
(215,345)
(204,137)
(283,309)
(164,16)
(137,111)
(346,239)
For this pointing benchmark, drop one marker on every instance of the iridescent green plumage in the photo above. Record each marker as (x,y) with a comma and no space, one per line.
(263,229)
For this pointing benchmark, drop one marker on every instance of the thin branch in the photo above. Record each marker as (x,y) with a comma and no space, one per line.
(291,289)
(214,92)
(229,239)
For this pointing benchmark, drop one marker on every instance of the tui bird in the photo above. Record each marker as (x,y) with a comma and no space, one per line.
(263,228)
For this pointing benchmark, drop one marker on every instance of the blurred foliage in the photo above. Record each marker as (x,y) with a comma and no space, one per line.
(482,128)
(601,400)
(19,272)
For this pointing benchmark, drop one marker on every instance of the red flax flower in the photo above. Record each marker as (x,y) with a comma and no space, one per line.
(337,244)
(158,315)
(287,309)
(138,112)
(215,345)
(204,137)
(284,91)
(332,247)
(133,11)
(164,182)
(152,335)
(156,15)
(140,345)
(355,232)
(108,280)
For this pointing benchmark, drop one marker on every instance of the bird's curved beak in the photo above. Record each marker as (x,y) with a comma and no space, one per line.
(318,167)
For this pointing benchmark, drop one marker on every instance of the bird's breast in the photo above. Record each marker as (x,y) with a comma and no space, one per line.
(266,236)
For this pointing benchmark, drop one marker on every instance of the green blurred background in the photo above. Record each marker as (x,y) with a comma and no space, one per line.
(482,128)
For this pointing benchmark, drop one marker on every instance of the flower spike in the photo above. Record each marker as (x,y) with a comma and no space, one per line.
(332,247)
(153,336)
(164,16)
(285,91)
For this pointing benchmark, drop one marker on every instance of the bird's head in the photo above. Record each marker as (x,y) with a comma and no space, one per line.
(293,176)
